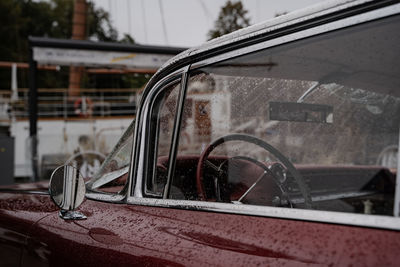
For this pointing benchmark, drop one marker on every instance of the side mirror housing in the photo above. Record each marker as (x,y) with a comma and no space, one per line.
(67,190)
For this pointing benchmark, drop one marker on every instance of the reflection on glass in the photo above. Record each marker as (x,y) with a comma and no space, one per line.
(113,173)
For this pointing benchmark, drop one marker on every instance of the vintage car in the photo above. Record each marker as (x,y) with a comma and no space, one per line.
(274,145)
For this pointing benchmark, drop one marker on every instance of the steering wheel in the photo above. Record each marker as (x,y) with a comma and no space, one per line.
(253,140)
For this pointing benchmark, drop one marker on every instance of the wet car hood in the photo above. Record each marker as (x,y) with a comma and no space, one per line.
(36,187)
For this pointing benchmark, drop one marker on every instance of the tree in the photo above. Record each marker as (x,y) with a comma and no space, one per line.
(51,18)
(127,39)
(21,18)
(99,25)
(232,17)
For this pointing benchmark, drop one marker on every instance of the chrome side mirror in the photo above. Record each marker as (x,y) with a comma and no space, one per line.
(67,190)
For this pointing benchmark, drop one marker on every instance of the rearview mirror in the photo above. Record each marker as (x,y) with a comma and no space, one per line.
(300,112)
(67,190)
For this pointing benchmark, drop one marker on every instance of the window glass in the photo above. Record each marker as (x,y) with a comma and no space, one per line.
(113,173)
(162,123)
(310,124)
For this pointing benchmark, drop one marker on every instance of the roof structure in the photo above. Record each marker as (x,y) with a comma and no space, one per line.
(271,29)
(103,46)
(104,54)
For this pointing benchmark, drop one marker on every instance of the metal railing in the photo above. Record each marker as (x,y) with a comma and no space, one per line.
(55,103)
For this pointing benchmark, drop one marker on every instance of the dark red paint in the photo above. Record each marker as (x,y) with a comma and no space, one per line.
(121,235)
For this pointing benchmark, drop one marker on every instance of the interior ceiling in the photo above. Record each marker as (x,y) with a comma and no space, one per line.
(364,56)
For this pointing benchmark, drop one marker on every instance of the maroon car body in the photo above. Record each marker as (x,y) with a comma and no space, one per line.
(138,235)
(331,197)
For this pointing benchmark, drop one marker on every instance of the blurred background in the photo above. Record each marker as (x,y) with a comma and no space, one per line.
(72,71)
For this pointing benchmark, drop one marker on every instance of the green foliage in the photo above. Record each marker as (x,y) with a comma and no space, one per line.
(232,17)
(10,21)
(127,39)
(51,18)
(99,25)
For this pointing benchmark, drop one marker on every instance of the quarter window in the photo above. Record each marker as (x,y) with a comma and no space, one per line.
(161,126)
(113,173)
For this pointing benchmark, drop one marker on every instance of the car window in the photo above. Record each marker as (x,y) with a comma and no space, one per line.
(309,124)
(113,173)
(161,123)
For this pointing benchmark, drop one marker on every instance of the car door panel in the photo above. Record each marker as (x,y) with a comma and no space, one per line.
(126,234)
(18,214)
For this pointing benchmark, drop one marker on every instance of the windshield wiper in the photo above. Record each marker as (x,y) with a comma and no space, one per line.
(309,91)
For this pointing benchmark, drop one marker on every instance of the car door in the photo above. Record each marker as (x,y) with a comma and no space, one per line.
(308,103)
(18,213)
(135,235)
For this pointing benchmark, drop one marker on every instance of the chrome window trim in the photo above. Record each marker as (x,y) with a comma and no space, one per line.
(176,80)
(114,198)
(176,132)
(372,221)
(121,196)
(346,22)
(24,191)
(138,163)
(396,209)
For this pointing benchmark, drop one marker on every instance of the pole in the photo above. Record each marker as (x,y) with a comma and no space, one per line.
(78,33)
(33,114)
(14,82)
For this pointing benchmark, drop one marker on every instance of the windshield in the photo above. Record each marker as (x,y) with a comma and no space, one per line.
(112,175)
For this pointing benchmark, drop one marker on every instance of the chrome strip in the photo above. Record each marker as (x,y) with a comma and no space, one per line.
(373,221)
(351,21)
(155,150)
(105,197)
(396,209)
(318,198)
(22,191)
(131,180)
(176,131)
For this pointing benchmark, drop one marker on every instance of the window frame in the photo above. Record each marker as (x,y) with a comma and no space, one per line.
(140,161)
(152,143)
(373,221)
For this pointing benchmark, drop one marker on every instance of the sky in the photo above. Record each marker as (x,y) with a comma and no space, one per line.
(187,22)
